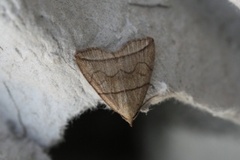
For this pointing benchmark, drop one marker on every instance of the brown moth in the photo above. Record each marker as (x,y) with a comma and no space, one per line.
(120,78)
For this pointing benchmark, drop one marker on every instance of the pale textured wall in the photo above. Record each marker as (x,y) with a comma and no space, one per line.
(197,57)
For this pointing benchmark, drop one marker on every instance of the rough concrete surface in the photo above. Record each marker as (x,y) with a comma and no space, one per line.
(197,59)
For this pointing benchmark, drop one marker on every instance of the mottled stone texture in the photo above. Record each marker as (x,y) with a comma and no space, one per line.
(197,59)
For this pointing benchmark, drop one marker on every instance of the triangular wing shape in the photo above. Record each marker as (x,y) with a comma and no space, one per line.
(121,78)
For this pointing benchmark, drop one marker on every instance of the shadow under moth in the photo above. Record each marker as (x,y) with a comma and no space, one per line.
(120,78)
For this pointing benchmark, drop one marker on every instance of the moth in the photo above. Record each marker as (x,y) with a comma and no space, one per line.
(120,78)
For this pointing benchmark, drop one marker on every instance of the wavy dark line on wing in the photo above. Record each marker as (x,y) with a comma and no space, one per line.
(120,70)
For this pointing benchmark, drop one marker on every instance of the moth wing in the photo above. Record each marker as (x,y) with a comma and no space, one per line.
(121,78)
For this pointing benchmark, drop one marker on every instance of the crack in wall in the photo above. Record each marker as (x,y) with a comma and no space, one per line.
(24,131)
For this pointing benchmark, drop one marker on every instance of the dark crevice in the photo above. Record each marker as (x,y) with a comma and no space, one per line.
(103,135)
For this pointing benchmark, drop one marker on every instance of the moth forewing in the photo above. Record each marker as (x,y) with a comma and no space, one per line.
(121,78)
